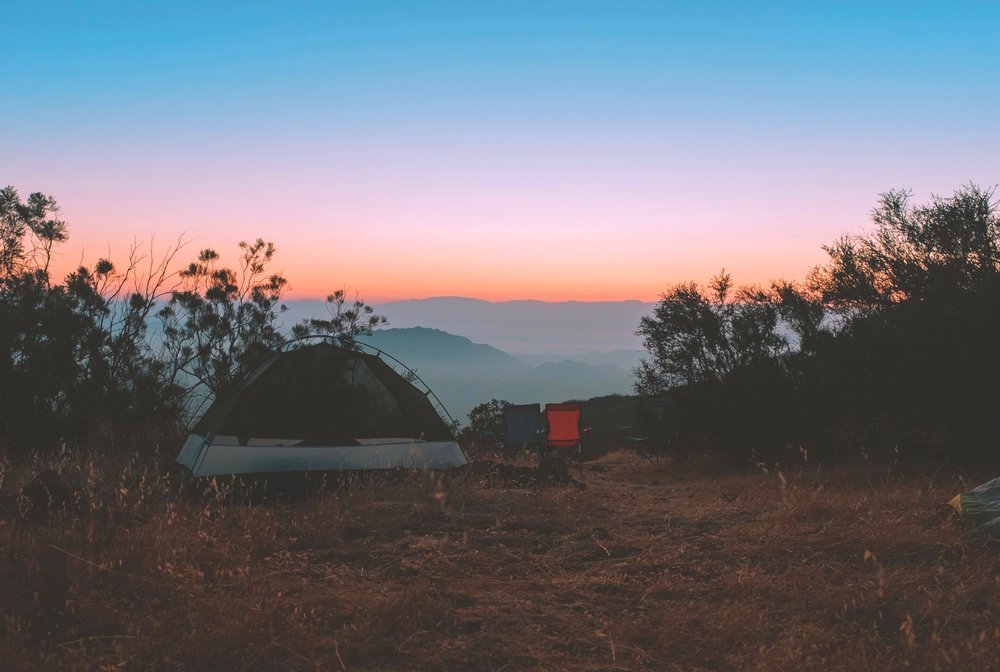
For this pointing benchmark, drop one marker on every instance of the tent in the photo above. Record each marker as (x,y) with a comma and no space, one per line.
(980,508)
(321,407)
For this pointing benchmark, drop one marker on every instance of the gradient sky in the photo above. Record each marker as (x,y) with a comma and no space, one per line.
(547,150)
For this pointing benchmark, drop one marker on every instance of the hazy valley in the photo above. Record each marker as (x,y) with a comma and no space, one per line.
(469,351)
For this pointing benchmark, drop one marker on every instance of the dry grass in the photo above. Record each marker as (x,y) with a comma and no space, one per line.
(634,567)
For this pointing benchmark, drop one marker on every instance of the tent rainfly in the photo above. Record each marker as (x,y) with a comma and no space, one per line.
(980,508)
(320,407)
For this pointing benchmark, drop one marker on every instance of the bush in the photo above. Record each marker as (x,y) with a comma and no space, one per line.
(891,343)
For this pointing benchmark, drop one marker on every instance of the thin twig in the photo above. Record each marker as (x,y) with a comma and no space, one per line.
(336,651)
(108,569)
(411,636)
(100,637)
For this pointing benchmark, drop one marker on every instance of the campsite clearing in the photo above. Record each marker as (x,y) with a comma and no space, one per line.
(632,566)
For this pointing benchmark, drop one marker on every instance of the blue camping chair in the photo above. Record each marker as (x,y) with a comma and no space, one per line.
(524,425)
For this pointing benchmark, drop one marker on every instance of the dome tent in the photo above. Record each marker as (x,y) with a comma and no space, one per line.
(321,407)
(980,508)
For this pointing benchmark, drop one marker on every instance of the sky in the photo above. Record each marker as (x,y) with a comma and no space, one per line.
(514,150)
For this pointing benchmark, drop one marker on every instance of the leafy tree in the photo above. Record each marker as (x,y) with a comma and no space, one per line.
(695,336)
(488,416)
(919,299)
(121,372)
(222,321)
(803,312)
(38,358)
(343,319)
(897,346)
(721,374)
(74,357)
(28,232)
(916,253)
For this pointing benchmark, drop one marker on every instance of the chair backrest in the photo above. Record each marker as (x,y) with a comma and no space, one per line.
(522,422)
(563,422)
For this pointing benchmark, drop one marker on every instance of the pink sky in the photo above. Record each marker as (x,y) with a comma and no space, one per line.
(617,219)
(560,152)
(607,235)
(460,252)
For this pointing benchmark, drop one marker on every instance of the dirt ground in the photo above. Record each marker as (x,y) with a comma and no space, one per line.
(623,566)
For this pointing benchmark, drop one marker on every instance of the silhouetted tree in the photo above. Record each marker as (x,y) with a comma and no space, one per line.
(916,253)
(703,337)
(714,377)
(28,232)
(222,321)
(77,358)
(488,416)
(74,357)
(343,319)
(896,346)
(919,300)
(802,311)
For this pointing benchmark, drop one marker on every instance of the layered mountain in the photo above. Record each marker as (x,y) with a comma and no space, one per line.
(463,373)
(445,355)
(566,328)
(577,329)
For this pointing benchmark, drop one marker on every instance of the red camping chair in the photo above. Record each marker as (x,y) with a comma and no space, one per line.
(563,423)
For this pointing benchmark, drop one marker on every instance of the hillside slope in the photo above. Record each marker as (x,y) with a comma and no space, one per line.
(464,374)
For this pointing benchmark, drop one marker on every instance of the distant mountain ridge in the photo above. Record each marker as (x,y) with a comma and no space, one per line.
(521,351)
(563,328)
(423,348)
(625,359)
(464,374)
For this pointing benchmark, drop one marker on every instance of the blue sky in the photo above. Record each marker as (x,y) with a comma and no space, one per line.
(668,139)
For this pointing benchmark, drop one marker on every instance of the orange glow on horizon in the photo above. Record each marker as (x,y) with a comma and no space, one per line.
(386,259)
(635,277)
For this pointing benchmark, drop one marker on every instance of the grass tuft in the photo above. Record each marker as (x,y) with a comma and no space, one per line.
(613,565)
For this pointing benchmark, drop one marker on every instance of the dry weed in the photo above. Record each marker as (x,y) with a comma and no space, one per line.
(628,566)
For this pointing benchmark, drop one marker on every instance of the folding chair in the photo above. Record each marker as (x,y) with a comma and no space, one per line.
(523,424)
(627,439)
(563,424)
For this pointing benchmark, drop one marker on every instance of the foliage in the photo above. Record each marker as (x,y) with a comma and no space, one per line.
(344,319)
(488,417)
(709,353)
(124,377)
(802,311)
(28,232)
(920,302)
(933,252)
(695,336)
(74,357)
(220,321)
(77,357)
(895,346)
